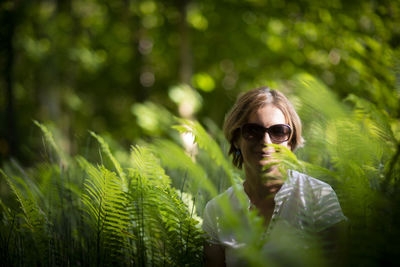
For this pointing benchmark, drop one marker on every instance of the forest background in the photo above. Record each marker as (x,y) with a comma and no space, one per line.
(124,69)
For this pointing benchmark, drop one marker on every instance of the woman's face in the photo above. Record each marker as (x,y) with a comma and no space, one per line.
(255,153)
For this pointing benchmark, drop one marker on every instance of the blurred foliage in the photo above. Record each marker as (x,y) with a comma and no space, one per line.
(127,69)
(68,211)
(144,207)
(97,65)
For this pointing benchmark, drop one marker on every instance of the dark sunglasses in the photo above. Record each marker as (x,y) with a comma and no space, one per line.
(278,133)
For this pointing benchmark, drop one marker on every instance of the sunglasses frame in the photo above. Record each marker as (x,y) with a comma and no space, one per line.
(266,130)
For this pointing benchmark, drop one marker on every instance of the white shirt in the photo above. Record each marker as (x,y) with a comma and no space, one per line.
(303,203)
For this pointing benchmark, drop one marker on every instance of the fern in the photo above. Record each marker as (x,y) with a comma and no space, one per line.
(106,149)
(35,219)
(48,135)
(175,158)
(184,242)
(145,162)
(104,202)
(92,215)
(358,146)
(105,218)
(367,111)
(208,144)
(167,235)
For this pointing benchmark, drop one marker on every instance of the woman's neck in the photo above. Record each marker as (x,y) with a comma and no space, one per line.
(262,185)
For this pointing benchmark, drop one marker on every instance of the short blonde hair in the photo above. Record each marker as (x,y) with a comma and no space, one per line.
(251,101)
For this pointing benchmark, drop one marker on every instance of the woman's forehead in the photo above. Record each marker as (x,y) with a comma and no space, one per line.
(266,115)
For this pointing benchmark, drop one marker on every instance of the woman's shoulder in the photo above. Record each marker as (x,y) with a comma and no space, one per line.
(307,182)
(318,197)
(213,212)
(214,202)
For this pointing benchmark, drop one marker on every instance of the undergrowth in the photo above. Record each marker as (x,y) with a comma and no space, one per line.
(144,207)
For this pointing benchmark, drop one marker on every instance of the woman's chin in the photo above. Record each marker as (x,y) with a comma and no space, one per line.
(268,164)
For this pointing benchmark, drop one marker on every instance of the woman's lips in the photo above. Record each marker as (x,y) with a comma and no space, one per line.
(265,155)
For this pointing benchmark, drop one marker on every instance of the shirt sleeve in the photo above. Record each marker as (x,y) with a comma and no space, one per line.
(210,223)
(329,211)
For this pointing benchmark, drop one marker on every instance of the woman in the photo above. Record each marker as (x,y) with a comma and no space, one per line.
(261,117)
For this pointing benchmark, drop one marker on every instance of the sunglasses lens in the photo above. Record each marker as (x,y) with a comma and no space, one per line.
(252,132)
(279,133)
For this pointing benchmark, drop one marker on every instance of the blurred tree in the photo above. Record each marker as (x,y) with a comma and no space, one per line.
(84,64)
(9,143)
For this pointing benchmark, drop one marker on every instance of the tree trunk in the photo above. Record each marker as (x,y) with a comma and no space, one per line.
(10,147)
(186,62)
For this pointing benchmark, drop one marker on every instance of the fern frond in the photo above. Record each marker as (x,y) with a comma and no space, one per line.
(35,218)
(106,149)
(143,204)
(104,203)
(317,101)
(211,147)
(145,163)
(378,120)
(207,143)
(165,230)
(50,140)
(184,242)
(174,157)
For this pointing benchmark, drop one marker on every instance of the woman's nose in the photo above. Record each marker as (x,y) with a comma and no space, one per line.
(267,138)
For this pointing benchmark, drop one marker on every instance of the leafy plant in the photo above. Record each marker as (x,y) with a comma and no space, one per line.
(144,210)
(99,217)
